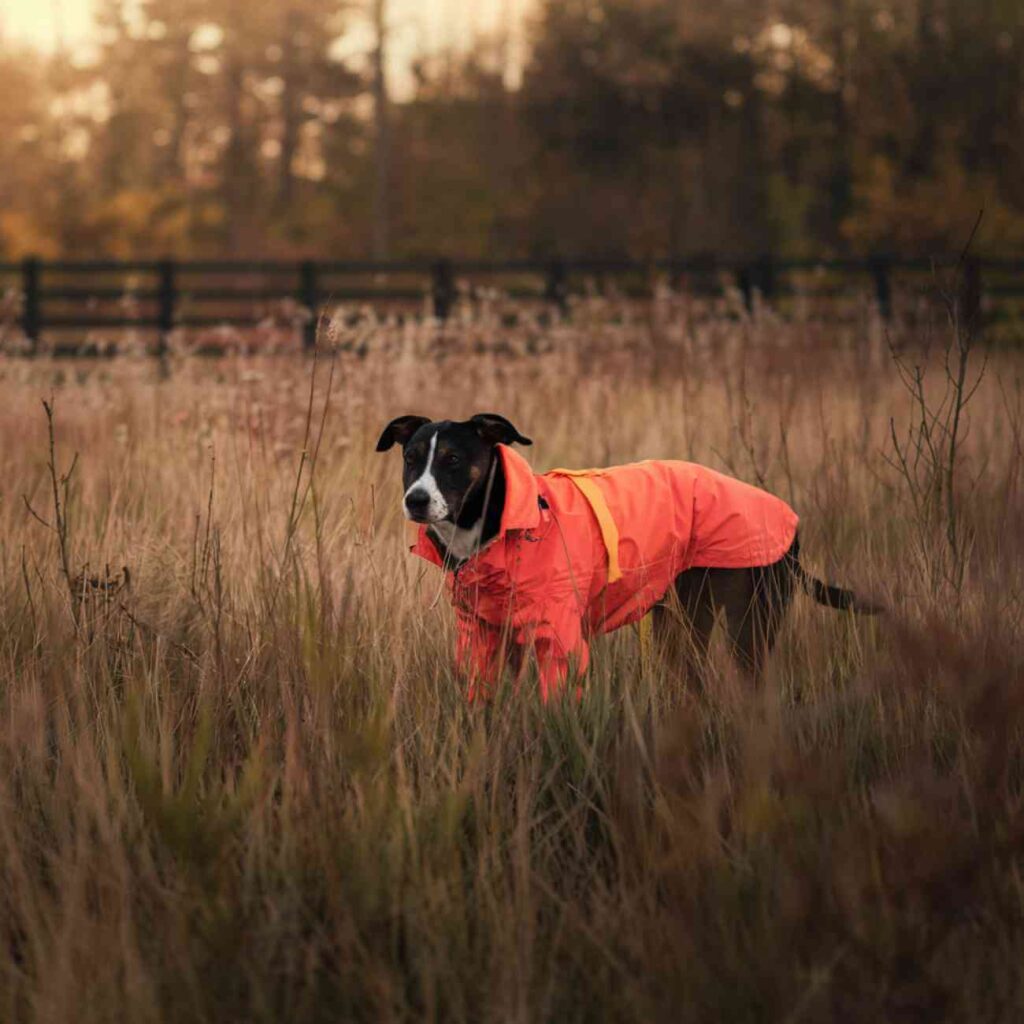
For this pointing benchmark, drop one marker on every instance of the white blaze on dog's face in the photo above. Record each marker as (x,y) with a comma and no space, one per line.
(444,463)
(423,501)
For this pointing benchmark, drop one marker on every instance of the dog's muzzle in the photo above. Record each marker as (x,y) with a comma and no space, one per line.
(420,507)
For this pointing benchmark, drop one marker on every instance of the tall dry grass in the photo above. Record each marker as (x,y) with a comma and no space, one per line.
(241,783)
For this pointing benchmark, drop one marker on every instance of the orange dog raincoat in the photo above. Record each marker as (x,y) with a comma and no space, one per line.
(581,553)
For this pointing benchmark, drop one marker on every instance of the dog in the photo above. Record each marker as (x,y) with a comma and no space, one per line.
(543,562)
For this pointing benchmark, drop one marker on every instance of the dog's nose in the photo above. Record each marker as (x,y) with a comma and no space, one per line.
(416,502)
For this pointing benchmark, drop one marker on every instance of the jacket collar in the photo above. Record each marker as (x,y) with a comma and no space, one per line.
(521,512)
(521,509)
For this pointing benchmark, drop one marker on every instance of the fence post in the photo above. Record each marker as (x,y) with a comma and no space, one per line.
(745,282)
(766,276)
(167,299)
(443,289)
(31,310)
(556,290)
(970,294)
(310,298)
(879,267)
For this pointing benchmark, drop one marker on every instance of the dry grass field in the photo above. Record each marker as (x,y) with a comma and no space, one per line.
(238,781)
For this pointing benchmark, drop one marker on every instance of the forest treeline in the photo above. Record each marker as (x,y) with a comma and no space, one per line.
(627,127)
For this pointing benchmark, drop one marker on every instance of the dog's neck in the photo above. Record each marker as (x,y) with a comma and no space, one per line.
(479,520)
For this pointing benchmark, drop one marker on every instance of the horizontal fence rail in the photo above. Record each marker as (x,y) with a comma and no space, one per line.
(174,290)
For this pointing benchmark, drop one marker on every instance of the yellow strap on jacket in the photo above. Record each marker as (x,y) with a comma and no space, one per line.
(610,536)
(603,515)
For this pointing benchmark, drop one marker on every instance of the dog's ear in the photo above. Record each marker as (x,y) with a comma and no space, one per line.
(399,431)
(496,429)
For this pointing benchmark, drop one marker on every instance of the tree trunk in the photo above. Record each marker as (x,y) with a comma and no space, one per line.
(927,82)
(234,156)
(289,112)
(382,182)
(841,184)
(174,161)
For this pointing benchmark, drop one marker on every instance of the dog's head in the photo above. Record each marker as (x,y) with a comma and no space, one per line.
(446,463)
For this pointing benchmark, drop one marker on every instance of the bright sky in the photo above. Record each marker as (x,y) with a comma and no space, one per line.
(37,21)
(418,26)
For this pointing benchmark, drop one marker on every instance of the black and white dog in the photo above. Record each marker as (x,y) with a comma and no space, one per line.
(454,484)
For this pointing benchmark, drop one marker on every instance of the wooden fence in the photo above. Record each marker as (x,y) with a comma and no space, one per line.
(166,294)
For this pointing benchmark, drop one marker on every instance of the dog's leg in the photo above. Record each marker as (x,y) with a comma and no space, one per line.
(755,603)
(683,624)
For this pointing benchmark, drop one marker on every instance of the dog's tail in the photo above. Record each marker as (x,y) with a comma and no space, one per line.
(832,597)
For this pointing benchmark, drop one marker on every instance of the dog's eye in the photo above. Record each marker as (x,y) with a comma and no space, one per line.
(451,460)
(410,458)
